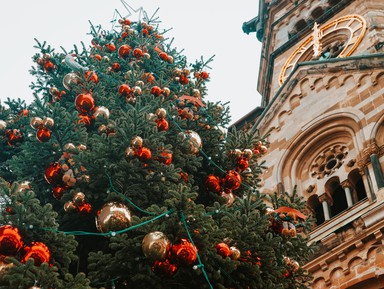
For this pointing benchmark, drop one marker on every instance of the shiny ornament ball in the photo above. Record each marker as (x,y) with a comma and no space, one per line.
(242,164)
(79,198)
(232,180)
(54,91)
(110,47)
(163,56)
(229,197)
(53,174)
(58,192)
(70,207)
(137,90)
(212,183)
(235,255)
(183,252)
(37,251)
(84,103)
(124,90)
(166,91)
(247,153)
(138,53)
(113,217)
(70,147)
(115,67)
(70,80)
(204,75)
(170,59)
(43,134)
(263,149)
(85,208)
(48,122)
(223,250)
(101,111)
(164,269)
(124,51)
(10,240)
(35,122)
(49,66)
(143,154)
(86,120)
(165,157)
(156,91)
(183,80)
(13,136)
(148,77)
(195,141)
(91,76)
(129,153)
(137,142)
(295,266)
(161,113)
(3,125)
(162,124)
(156,246)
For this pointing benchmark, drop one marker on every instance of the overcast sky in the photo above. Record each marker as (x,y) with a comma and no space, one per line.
(200,27)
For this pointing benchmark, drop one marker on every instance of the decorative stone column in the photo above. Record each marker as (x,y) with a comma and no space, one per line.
(326,201)
(347,186)
(374,157)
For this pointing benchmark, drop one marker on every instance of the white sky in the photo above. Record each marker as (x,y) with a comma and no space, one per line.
(200,27)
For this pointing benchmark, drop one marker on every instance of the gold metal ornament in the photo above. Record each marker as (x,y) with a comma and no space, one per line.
(113,217)
(156,245)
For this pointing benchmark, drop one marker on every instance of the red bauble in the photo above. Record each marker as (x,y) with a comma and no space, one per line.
(183,80)
(115,67)
(98,57)
(232,180)
(86,120)
(53,174)
(91,76)
(124,51)
(110,47)
(156,91)
(164,269)
(204,75)
(184,176)
(125,21)
(85,208)
(162,124)
(124,90)
(84,102)
(43,134)
(143,154)
(38,251)
(212,184)
(138,53)
(163,56)
(49,66)
(10,240)
(165,158)
(58,192)
(242,164)
(223,250)
(13,136)
(145,32)
(183,252)
(148,77)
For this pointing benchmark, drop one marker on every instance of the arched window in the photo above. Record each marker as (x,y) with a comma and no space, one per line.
(316,208)
(356,180)
(334,189)
(317,12)
(300,25)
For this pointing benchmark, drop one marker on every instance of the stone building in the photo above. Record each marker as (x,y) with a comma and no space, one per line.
(322,82)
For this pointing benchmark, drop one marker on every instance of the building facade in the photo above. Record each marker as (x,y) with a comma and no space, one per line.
(322,82)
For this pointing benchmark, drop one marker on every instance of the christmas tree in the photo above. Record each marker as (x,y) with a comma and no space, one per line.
(121,174)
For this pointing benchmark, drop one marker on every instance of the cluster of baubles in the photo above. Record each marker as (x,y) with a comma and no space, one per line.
(167,256)
(78,204)
(161,123)
(286,221)
(292,266)
(11,136)
(43,128)
(225,251)
(46,62)
(224,187)
(12,244)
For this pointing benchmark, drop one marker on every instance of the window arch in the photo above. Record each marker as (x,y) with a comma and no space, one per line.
(316,208)
(359,193)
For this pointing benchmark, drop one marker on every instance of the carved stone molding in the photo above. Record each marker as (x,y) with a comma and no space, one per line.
(346,184)
(327,198)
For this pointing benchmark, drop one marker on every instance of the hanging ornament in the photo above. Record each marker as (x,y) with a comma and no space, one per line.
(156,246)
(124,51)
(156,91)
(138,53)
(84,103)
(148,77)
(183,252)
(229,197)
(212,184)
(113,217)
(84,208)
(58,192)
(49,66)
(232,180)
(165,157)
(247,153)
(137,142)
(101,111)
(223,250)
(53,174)
(43,134)
(194,143)
(4,267)
(235,253)
(129,153)
(70,207)
(48,122)
(70,80)
(10,240)
(242,164)
(162,124)
(91,76)
(204,75)
(143,154)
(110,47)
(87,120)
(13,136)
(164,269)
(124,90)
(183,80)
(38,251)
(36,122)
(115,67)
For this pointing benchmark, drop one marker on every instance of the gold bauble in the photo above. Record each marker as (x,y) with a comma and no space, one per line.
(194,141)
(235,253)
(161,113)
(70,207)
(54,91)
(166,91)
(137,142)
(248,153)
(70,80)
(113,217)
(295,266)
(156,246)
(101,111)
(82,147)
(79,198)
(69,147)
(129,153)
(137,90)
(36,122)
(229,197)
(3,125)
(48,122)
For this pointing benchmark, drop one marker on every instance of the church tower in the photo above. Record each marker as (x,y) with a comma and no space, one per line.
(322,82)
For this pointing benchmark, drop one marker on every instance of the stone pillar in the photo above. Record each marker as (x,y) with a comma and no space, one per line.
(347,186)
(326,201)
(378,172)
